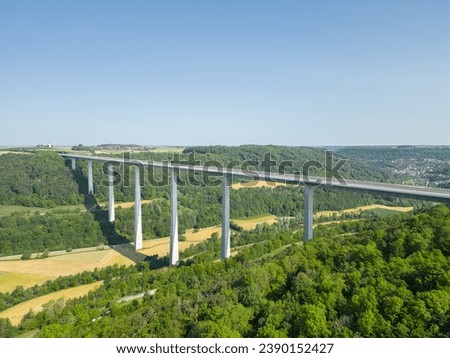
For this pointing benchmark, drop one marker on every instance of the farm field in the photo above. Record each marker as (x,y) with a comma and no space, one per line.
(130,204)
(336,222)
(160,246)
(250,223)
(31,272)
(328,213)
(2,152)
(385,211)
(146,150)
(167,149)
(257,184)
(10,280)
(9,209)
(16,313)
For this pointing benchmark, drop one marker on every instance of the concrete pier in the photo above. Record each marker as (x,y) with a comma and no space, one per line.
(90,178)
(226,216)
(137,210)
(173,252)
(111,209)
(74,163)
(308,193)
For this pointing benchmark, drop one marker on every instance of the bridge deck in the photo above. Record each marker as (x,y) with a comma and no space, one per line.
(415,192)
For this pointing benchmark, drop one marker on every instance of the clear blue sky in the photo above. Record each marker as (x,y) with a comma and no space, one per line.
(228,72)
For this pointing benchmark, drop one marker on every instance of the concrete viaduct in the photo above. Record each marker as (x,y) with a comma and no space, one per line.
(308,183)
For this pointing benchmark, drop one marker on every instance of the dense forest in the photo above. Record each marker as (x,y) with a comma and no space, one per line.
(37,180)
(388,277)
(297,156)
(20,234)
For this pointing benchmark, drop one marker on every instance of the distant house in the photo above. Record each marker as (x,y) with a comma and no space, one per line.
(44,146)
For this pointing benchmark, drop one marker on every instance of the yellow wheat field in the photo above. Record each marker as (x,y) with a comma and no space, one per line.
(16,313)
(130,204)
(10,280)
(31,272)
(257,184)
(160,247)
(328,213)
(250,224)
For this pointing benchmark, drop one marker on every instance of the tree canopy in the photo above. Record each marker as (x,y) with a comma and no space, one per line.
(385,278)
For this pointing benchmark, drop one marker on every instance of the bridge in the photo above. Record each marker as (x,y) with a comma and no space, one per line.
(308,183)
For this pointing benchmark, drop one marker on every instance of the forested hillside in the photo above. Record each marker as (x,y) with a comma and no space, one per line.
(386,278)
(36,179)
(353,169)
(54,231)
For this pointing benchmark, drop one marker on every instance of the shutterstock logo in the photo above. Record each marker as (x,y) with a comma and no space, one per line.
(195,172)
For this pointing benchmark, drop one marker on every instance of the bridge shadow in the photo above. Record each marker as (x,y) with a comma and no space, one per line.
(115,241)
(156,262)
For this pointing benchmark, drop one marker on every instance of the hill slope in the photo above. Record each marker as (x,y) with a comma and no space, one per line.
(386,278)
(36,179)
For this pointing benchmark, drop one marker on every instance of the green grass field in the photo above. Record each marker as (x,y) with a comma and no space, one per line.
(253,218)
(9,209)
(167,149)
(384,212)
(12,152)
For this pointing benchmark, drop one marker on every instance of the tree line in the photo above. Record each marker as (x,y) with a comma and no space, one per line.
(21,234)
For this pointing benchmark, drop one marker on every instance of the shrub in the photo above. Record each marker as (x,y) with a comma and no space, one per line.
(26,256)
